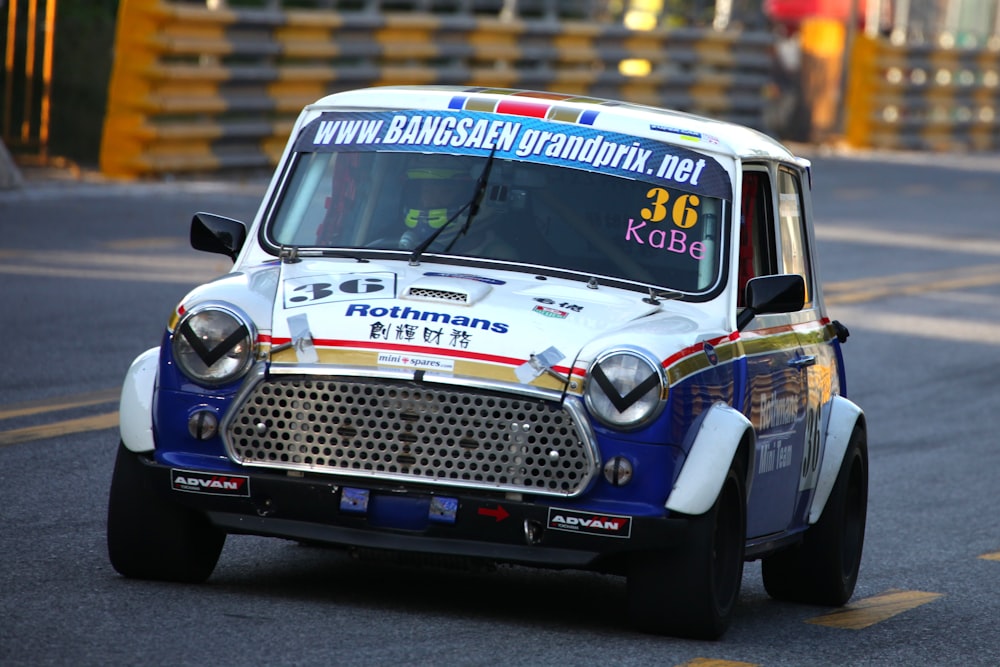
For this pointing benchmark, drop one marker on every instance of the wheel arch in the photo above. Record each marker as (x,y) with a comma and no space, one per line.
(723,435)
(135,409)
(845,416)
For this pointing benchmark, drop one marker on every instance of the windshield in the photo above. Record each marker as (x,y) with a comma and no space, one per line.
(546,215)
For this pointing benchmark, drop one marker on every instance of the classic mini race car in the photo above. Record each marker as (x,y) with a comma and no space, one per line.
(510,327)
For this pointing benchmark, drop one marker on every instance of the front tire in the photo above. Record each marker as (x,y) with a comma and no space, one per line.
(151,538)
(823,569)
(692,591)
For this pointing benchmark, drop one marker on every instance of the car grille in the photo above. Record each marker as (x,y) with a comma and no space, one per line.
(415,433)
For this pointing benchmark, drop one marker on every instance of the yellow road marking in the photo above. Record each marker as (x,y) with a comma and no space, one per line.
(870,611)
(65,403)
(94,423)
(893,286)
(869,289)
(911,277)
(712,662)
(993,556)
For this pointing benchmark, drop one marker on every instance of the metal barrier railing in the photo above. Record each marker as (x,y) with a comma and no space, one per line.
(200,89)
(922,97)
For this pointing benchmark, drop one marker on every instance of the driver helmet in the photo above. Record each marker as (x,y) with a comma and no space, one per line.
(432,195)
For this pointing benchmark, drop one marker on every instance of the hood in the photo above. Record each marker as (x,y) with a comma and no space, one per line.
(481,323)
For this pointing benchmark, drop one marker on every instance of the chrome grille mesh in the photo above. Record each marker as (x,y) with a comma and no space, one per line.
(413,433)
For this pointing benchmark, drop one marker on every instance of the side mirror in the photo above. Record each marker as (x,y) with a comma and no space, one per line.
(785,293)
(218,234)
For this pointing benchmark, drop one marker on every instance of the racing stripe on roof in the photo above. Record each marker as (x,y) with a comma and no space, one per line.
(516,107)
(541,105)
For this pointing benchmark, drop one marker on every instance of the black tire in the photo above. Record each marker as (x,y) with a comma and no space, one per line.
(151,538)
(823,568)
(692,591)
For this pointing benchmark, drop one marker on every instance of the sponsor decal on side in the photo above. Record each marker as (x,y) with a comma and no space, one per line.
(777,410)
(590,523)
(773,455)
(214,484)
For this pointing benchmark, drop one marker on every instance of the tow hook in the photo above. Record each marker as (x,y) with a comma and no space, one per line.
(533,532)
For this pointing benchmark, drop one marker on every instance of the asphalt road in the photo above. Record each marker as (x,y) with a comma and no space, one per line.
(910,254)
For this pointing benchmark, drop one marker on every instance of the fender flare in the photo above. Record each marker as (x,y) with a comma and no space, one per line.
(715,444)
(135,421)
(844,416)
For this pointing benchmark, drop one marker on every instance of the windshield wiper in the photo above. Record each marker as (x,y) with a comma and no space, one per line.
(293,254)
(472,206)
(655,297)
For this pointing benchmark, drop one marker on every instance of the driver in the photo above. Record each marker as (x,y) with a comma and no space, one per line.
(433,194)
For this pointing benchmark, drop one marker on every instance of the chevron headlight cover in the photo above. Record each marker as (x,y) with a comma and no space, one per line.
(625,389)
(214,345)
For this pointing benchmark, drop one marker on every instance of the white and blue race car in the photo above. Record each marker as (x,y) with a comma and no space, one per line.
(514,327)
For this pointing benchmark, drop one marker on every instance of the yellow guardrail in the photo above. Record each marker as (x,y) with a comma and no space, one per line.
(922,97)
(195,89)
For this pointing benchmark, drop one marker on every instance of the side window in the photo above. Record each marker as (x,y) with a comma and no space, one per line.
(791,225)
(756,256)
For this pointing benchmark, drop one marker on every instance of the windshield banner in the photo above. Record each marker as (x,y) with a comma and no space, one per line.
(519,138)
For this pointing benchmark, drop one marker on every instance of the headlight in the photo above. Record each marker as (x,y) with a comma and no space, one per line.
(214,344)
(625,389)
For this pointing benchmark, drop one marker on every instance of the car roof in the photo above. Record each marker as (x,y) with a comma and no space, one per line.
(674,127)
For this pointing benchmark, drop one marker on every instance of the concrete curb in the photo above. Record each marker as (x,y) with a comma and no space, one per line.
(10,175)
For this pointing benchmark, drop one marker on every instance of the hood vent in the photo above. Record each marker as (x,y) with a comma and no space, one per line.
(456,291)
(424,294)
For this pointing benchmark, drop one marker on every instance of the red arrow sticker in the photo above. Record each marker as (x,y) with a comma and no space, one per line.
(499,513)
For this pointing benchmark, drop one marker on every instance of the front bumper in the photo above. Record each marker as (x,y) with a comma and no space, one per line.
(450,521)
